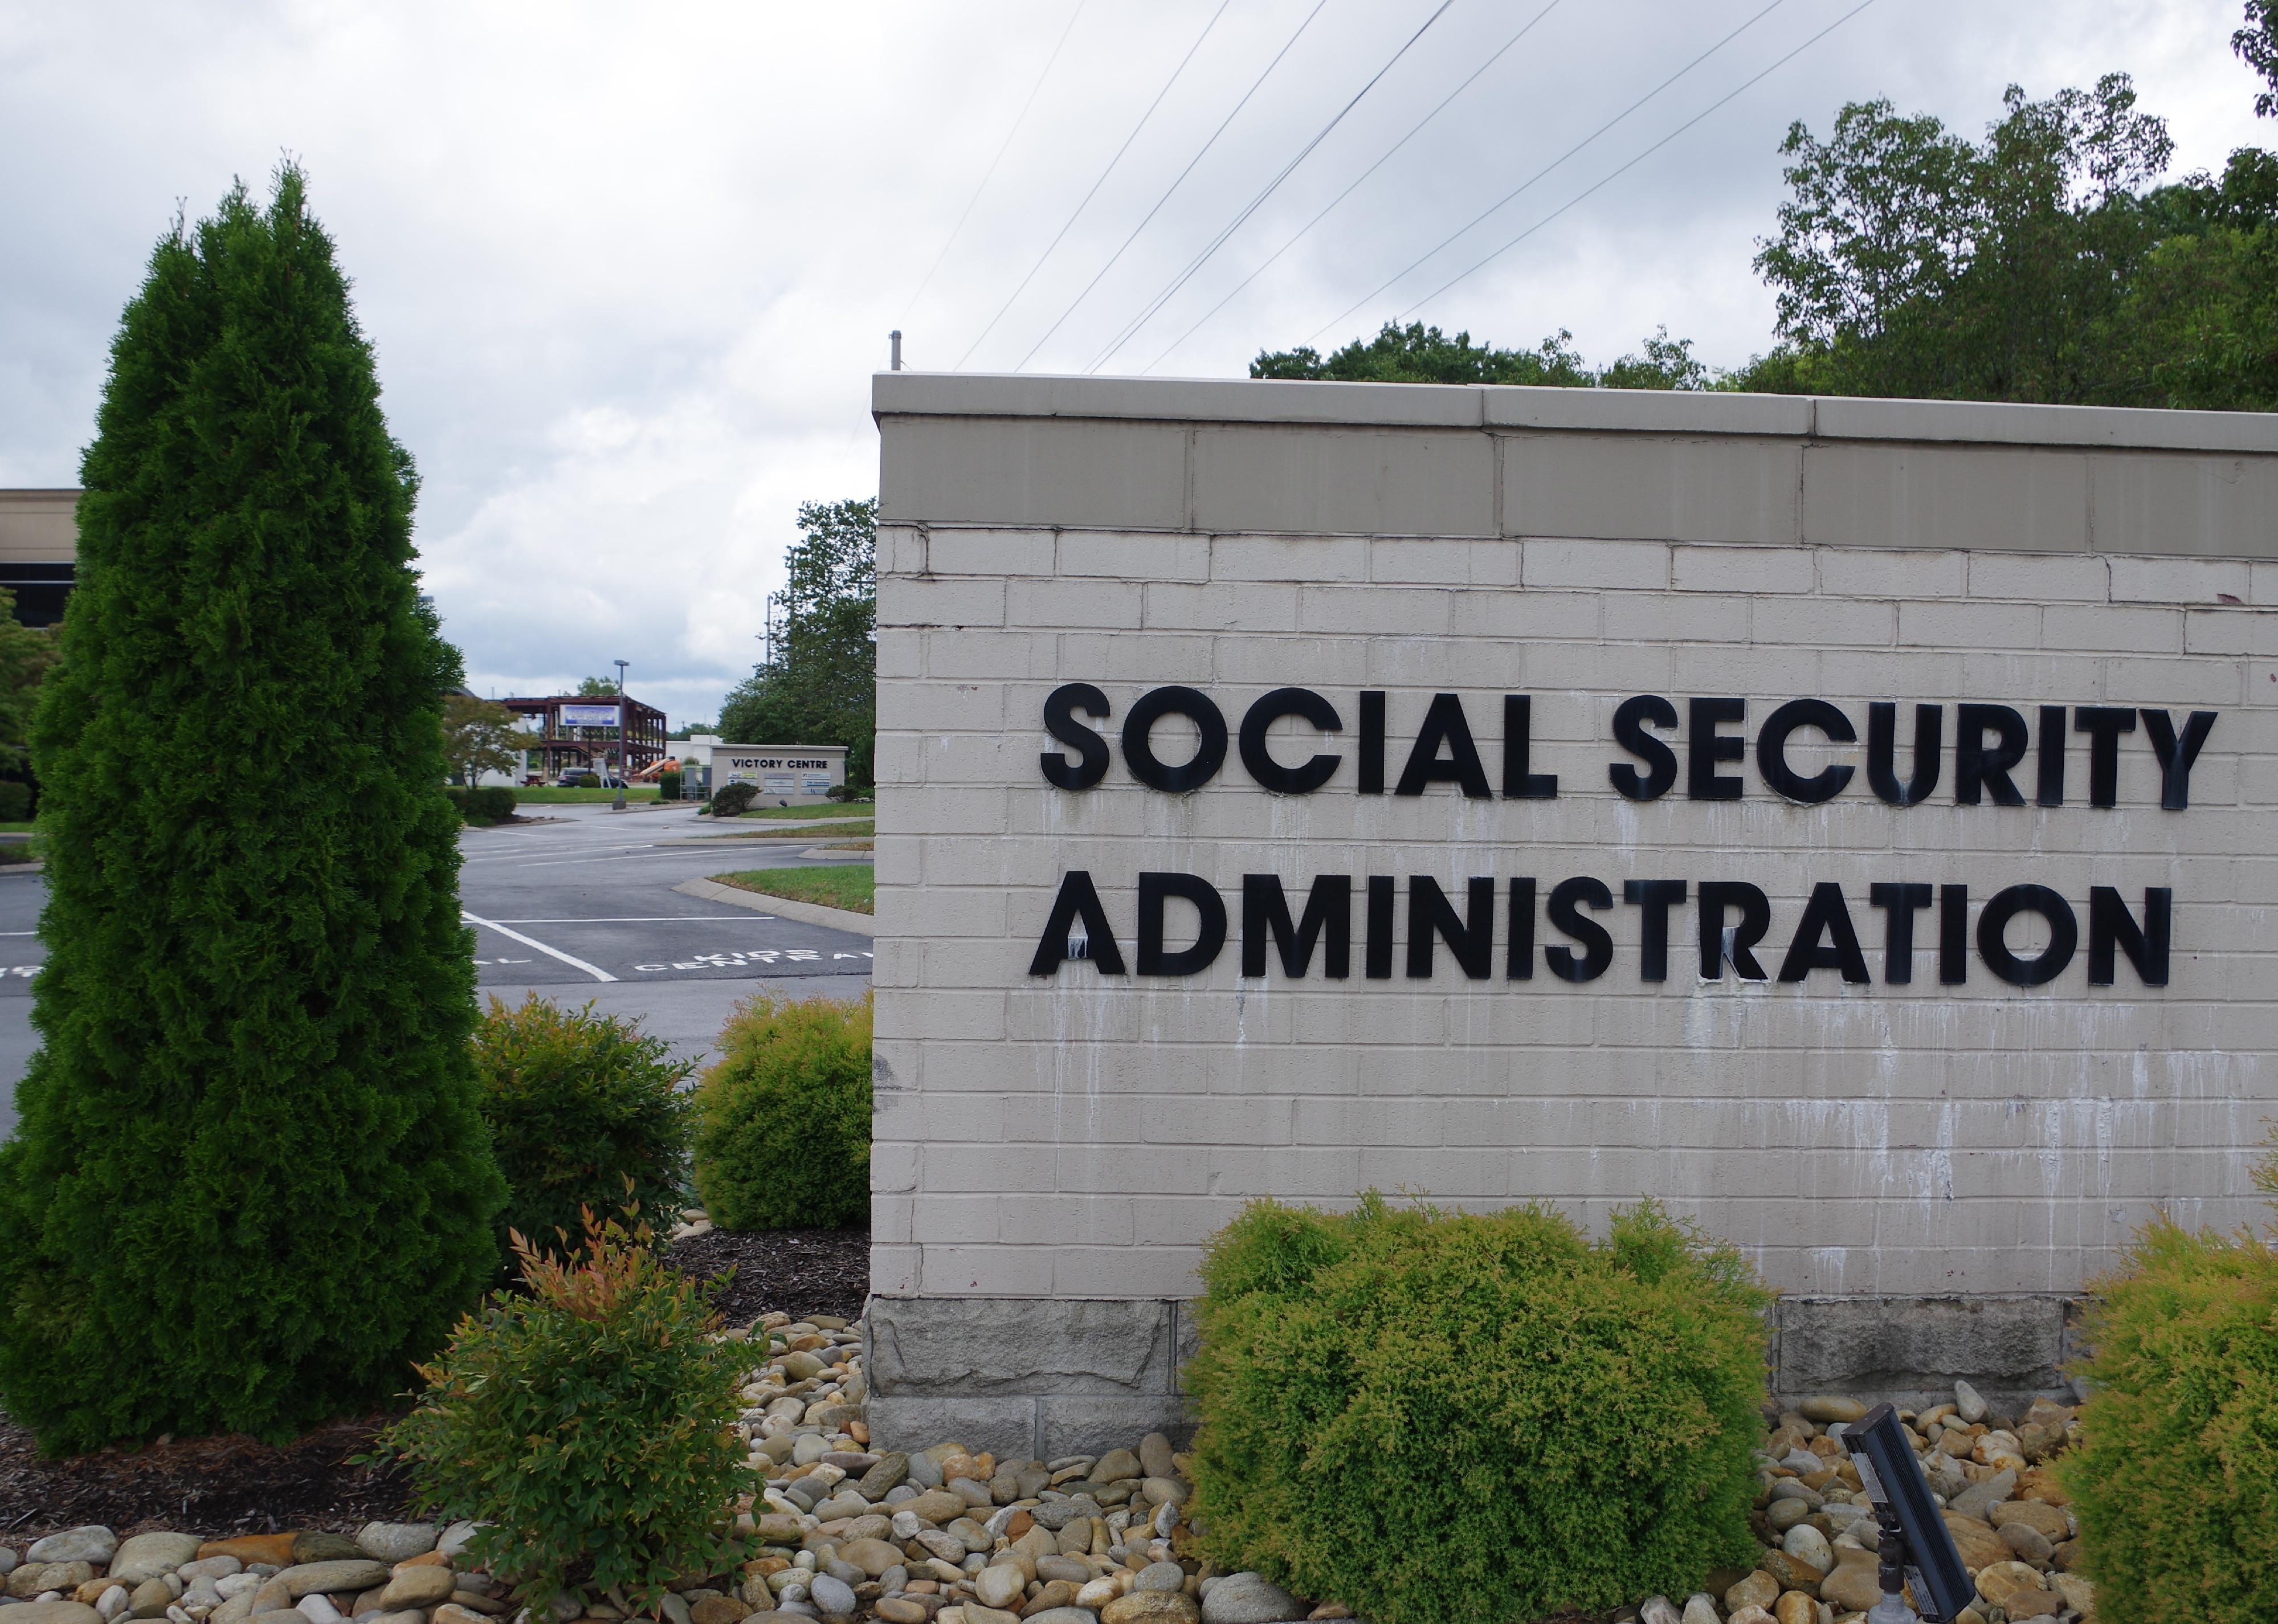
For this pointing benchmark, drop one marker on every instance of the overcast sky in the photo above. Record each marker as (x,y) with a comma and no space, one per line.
(627,269)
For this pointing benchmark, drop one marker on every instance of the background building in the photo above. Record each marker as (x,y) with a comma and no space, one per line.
(39,549)
(581,731)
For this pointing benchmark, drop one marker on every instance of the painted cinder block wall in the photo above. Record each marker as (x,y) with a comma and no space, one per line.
(1929,1172)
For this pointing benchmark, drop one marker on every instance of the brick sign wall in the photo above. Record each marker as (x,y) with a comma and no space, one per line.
(1849,823)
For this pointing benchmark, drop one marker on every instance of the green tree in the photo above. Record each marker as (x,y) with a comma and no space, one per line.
(597,687)
(27,654)
(821,687)
(480,736)
(2257,45)
(1913,262)
(250,1184)
(1418,354)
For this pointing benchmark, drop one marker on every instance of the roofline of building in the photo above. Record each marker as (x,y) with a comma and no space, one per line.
(1517,409)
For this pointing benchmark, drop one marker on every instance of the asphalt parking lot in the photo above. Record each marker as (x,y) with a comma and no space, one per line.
(581,909)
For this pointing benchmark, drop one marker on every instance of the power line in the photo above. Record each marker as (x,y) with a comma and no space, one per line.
(1096,185)
(1547,168)
(1413,131)
(1017,120)
(1174,185)
(1641,156)
(1210,248)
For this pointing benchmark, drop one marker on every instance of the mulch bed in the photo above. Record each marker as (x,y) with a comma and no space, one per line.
(238,1485)
(211,1486)
(800,1271)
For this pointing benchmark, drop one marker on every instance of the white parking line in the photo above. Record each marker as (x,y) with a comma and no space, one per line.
(632,919)
(516,860)
(565,862)
(595,970)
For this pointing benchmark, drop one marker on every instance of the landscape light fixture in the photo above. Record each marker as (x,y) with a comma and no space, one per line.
(1916,1545)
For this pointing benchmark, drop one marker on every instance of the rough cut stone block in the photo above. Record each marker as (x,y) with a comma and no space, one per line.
(1005,1427)
(1881,1345)
(1070,1426)
(976,1345)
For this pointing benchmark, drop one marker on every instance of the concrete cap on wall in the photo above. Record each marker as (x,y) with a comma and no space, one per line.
(1393,405)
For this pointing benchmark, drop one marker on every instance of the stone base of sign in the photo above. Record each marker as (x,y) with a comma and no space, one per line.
(1037,1377)
(1910,1349)
(1042,1377)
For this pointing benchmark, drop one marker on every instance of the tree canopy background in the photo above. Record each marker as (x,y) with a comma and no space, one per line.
(2047,261)
(820,686)
(480,737)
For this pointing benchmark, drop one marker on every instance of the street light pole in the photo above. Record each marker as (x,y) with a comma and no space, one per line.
(624,754)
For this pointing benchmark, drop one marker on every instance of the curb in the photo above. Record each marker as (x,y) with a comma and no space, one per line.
(805,913)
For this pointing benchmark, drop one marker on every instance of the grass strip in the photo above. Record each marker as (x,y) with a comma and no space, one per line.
(551,794)
(828,808)
(853,887)
(848,831)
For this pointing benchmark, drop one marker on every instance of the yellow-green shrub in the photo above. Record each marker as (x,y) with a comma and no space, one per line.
(589,1425)
(783,1122)
(2175,1482)
(1437,1419)
(584,1110)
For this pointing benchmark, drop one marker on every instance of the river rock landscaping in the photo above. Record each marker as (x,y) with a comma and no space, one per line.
(842,1530)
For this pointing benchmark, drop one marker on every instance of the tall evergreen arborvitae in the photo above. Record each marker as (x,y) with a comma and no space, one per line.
(250,1181)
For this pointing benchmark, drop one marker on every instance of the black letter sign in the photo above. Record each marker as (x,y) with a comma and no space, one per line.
(1629,733)
(2064,935)
(1139,754)
(1077,902)
(1210,924)
(1271,774)
(1771,750)
(1705,747)
(1091,765)
(1567,898)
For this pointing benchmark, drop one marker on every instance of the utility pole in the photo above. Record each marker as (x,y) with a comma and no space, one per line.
(624,752)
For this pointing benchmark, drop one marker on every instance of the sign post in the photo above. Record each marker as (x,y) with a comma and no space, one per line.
(624,754)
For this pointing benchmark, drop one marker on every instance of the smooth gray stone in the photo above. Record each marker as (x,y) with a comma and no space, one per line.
(1978,1502)
(1250,1598)
(397,1542)
(88,1543)
(832,1596)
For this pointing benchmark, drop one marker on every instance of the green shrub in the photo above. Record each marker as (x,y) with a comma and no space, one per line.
(783,1122)
(668,786)
(589,1425)
(1409,1411)
(585,780)
(15,800)
(481,805)
(734,800)
(2175,1481)
(250,1183)
(582,1107)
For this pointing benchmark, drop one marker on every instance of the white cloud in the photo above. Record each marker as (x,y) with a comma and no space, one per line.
(626,270)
